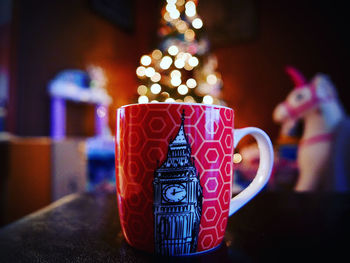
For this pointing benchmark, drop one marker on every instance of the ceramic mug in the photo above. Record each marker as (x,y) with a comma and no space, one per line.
(174,172)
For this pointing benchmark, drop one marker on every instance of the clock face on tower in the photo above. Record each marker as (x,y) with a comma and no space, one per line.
(174,193)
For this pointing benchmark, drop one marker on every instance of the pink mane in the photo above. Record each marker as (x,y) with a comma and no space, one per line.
(296,76)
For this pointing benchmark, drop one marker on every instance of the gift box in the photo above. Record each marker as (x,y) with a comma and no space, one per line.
(69,167)
(26,182)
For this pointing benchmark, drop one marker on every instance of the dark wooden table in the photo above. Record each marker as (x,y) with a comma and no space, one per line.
(272,227)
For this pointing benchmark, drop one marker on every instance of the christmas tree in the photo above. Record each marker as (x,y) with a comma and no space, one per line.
(181,69)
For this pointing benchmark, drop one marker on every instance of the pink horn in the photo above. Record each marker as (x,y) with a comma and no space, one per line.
(296,76)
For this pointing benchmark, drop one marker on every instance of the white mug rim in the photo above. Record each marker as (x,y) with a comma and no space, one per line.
(178,103)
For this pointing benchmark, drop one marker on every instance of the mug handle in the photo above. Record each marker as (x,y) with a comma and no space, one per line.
(264,170)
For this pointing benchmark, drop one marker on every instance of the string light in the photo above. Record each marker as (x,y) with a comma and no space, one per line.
(188,67)
(189,99)
(182,89)
(197,23)
(142,90)
(207,99)
(170,7)
(166,62)
(174,14)
(101,111)
(190,9)
(211,79)
(189,35)
(149,72)
(186,56)
(165,94)
(140,71)
(175,81)
(167,17)
(190,5)
(143,99)
(180,2)
(146,60)
(179,55)
(157,54)
(193,61)
(191,83)
(156,77)
(156,88)
(173,50)
(179,63)
(237,158)
(175,74)
(181,26)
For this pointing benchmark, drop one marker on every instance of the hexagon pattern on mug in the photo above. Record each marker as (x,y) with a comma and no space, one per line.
(146,131)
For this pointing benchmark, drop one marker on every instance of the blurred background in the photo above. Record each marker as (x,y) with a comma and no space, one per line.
(53,143)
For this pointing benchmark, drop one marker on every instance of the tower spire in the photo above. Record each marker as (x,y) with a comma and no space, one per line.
(179,149)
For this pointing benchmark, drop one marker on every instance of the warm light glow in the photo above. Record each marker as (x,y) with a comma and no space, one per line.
(182,89)
(180,2)
(189,34)
(156,88)
(156,77)
(175,81)
(171,1)
(181,26)
(207,99)
(170,7)
(193,61)
(181,55)
(150,72)
(157,54)
(167,17)
(187,56)
(173,50)
(169,100)
(190,9)
(175,74)
(237,158)
(143,99)
(165,94)
(191,83)
(190,4)
(211,79)
(142,90)
(140,71)
(197,23)
(146,60)
(165,63)
(189,99)
(101,111)
(188,67)
(174,14)
(179,63)
(179,100)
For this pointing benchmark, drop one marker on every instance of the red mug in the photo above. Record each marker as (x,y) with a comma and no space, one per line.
(174,172)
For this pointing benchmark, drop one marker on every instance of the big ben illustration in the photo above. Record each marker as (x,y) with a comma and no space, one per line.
(177,199)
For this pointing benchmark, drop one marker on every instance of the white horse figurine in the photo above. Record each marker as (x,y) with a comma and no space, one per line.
(318,105)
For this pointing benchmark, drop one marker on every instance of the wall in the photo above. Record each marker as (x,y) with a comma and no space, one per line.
(310,35)
(55,35)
